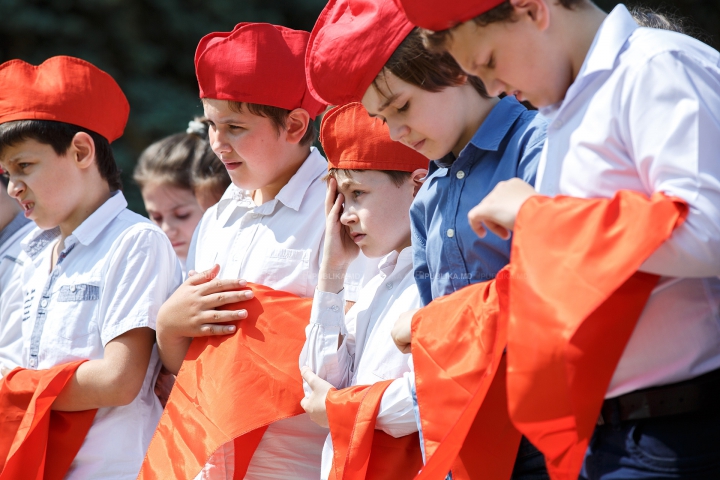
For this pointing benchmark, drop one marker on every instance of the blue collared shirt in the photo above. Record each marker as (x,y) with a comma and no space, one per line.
(447,254)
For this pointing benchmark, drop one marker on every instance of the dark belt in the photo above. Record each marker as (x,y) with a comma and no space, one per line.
(694,395)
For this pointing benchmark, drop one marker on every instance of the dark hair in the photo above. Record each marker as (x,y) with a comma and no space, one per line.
(171,159)
(505,12)
(4,180)
(416,65)
(396,177)
(278,116)
(59,136)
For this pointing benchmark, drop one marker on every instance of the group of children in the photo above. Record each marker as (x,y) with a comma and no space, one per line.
(430,153)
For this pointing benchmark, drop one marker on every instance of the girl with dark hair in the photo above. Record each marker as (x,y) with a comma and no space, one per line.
(165,172)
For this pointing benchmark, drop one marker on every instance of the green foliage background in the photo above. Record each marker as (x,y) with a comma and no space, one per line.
(149,45)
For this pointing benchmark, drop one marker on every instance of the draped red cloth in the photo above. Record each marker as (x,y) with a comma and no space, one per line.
(457,344)
(575,297)
(361,452)
(37,443)
(230,388)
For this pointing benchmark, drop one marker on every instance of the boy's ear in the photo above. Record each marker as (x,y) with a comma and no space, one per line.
(418,178)
(296,125)
(536,11)
(82,150)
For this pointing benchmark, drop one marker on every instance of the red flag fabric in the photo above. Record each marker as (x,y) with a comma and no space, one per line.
(361,452)
(233,387)
(575,298)
(37,443)
(457,344)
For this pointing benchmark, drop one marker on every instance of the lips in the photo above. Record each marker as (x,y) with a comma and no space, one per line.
(28,208)
(418,145)
(357,236)
(231,165)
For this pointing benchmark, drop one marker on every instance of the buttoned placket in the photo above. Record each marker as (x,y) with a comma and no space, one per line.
(43,307)
(249,225)
(459,169)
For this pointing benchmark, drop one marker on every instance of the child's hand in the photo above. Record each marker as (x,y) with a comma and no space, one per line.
(402,331)
(191,312)
(314,404)
(497,211)
(339,249)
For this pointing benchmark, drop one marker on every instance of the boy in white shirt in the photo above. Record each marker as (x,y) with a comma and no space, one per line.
(94,274)
(268,227)
(13,228)
(635,109)
(372,182)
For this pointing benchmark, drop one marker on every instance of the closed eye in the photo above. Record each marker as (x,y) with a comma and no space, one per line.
(404,107)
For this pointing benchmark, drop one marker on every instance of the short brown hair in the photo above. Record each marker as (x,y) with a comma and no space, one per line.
(278,116)
(59,136)
(416,65)
(505,12)
(396,177)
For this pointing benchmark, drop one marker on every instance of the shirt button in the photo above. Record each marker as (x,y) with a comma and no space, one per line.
(450,233)
(460,175)
(43,303)
(72,288)
(33,362)
(389,285)
(334,308)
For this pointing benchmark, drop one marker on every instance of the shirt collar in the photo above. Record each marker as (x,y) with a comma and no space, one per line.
(607,45)
(88,230)
(85,233)
(493,130)
(291,195)
(13,227)
(393,260)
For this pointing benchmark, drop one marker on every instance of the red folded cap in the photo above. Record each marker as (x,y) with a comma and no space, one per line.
(63,89)
(350,44)
(353,140)
(256,63)
(437,15)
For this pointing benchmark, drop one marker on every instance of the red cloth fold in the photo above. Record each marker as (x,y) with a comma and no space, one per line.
(360,451)
(575,298)
(37,443)
(457,344)
(233,387)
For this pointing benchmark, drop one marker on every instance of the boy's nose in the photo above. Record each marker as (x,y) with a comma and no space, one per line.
(397,132)
(15,189)
(348,217)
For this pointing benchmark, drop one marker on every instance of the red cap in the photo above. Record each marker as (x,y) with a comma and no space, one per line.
(350,44)
(439,15)
(353,140)
(63,89)
(256,63)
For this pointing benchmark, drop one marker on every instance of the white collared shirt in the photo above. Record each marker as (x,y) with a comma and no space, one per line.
(644,115)
(277,244)
(115,272)
(367,354)
(11,299)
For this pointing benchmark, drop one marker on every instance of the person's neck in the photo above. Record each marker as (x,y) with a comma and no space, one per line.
(9,208)
(580,28)
(91,202)
(478,109)
(269,192)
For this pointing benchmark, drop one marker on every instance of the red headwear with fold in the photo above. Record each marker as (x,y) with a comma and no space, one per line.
(63,89)
(349,45)
(256,63)
(439,15)
(353,140)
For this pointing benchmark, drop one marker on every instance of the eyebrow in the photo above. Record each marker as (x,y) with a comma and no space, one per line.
(387,102)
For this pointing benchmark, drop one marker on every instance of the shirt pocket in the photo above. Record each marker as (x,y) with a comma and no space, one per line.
(75,311)
(287,269)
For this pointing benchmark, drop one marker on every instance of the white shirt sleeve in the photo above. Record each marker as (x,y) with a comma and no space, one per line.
(320,352)
(396,416)
(671,124)
(11,311)
(141,275)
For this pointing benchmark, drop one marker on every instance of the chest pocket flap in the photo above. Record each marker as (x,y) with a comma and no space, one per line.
(78,293)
